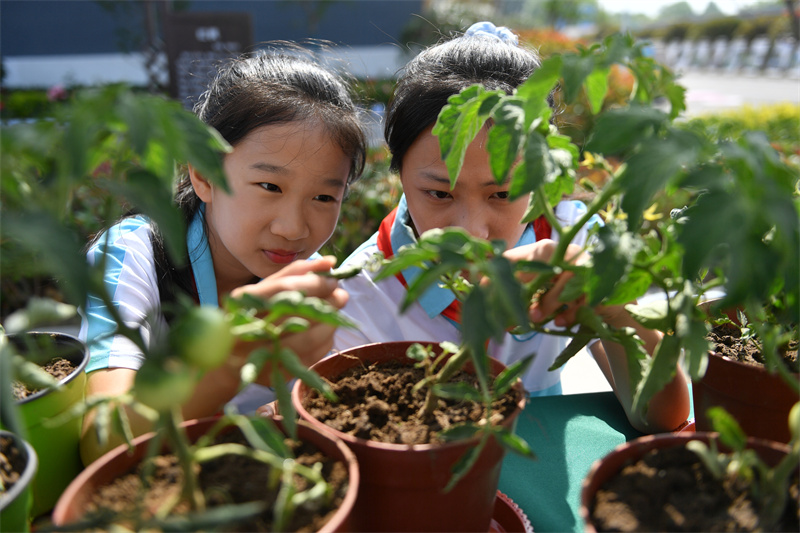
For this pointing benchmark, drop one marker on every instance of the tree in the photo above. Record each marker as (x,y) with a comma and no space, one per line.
(791,8)
(558,13)
(713,11)
(677,11)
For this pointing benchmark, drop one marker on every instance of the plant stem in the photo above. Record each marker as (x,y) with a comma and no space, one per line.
(451,366)
(177,436)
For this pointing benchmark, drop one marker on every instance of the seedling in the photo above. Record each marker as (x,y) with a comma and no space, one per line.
(768,485)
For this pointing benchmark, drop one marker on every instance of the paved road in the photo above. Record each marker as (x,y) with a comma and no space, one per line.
(708,92)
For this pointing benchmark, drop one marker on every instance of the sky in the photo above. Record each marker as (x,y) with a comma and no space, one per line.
(652,7)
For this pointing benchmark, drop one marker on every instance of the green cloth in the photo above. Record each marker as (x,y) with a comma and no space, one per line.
(567,433)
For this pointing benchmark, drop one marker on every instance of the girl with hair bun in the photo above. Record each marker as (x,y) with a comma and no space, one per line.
(492,57)
(297,146)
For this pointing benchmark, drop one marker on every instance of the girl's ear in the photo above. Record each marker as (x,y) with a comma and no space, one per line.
(202,187)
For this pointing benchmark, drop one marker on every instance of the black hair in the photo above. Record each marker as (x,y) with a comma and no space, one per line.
(429,79)
(256,90)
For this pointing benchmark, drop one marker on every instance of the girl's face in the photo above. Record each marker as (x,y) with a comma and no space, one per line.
(477,203)
(287,182)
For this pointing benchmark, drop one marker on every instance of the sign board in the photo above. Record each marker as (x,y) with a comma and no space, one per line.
(197,43)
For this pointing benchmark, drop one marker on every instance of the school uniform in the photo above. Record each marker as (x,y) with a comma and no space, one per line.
(375,306)
(131,281)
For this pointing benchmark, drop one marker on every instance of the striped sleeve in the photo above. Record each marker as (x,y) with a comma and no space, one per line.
(130,280)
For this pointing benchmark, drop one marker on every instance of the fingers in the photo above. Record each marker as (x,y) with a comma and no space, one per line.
(300,276)
(268,410)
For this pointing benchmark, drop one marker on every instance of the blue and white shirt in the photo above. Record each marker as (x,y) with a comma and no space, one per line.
(375,308)
(130,278)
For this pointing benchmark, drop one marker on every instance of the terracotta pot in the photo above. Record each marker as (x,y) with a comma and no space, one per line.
(759,400)
(609,466)
(57,446)
(72,505)
(15,505)
(402,486)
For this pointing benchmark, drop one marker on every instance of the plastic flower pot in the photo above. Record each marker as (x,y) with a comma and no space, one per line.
(760,401)
(402,486)
(57,446)
(610,466)
(72,506)
(15,504)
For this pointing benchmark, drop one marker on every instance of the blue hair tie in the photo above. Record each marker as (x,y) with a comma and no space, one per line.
(487,28)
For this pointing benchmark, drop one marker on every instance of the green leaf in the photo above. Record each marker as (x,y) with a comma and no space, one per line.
(659,370)
(618,130)
(505,138)
(458,391)
(574,71)
(262,434)
(478,326)
(506,379)
(650,170)
(652,315)
(465,464)
(612,258)
(596,86)
(458,124)
(537,88)
(515,443)
(144,191)
(583,336)
(505,290)
(537,167)
(459,432)
(296,368)
(58,250)
(38,312)
(285,405)
(730,432)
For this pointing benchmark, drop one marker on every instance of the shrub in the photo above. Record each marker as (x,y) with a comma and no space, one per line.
(779,123)
(716,28)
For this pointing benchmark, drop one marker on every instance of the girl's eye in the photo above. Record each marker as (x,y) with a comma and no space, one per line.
(325,198)
(503,195)
(271,187)
(439,195)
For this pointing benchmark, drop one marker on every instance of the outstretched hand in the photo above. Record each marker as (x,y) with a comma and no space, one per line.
(314,343)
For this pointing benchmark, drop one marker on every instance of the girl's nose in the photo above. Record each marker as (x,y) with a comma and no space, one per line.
(289,223)
(474,222)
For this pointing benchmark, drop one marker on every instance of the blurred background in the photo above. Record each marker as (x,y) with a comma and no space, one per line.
(739,61)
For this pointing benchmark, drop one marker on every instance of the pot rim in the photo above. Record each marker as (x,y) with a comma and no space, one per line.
(79,368)
(300,388)
(339,518)
(26,477)
(639,446)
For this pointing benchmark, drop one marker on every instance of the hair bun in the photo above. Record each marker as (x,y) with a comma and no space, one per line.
(487,28)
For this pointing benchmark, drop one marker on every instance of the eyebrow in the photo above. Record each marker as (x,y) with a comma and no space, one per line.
(445,181)
(277,169)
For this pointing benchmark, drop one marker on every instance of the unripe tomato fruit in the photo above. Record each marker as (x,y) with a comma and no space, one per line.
(202,337)
(163,384)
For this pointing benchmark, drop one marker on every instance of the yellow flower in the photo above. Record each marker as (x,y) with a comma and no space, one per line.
(651,214)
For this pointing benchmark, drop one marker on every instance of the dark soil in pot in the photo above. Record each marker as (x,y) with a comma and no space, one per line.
(229,479)
(728,342)
(376,403)
(58,367)
(12,463)
(671,490)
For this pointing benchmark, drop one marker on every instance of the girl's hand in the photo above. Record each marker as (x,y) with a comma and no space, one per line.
(314,343)
(300,276)
(549,303)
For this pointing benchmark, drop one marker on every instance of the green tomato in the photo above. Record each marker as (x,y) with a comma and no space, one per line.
(162,385)
(202,337)
(794,421)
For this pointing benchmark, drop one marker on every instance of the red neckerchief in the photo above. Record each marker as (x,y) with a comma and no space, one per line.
(453,311)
